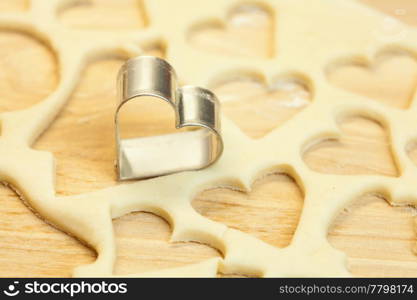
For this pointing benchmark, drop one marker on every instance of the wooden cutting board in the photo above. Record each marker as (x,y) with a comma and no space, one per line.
(377,238)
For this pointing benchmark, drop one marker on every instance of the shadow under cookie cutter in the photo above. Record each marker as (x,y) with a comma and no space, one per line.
(143,157)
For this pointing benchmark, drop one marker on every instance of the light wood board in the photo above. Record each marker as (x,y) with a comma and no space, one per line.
(377,238)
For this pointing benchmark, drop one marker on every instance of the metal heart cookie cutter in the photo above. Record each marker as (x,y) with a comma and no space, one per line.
(143,157)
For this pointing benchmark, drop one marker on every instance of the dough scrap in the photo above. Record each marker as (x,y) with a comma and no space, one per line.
(309,35)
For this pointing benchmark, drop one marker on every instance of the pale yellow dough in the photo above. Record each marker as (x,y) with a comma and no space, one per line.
(309,36)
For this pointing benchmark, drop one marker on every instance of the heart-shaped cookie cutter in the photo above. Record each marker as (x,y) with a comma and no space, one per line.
(144,157)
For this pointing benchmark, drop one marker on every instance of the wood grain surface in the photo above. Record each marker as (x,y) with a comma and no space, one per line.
(377,238)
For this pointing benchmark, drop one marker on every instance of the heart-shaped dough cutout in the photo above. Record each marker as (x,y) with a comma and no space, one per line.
(391,78)
(364,148)
(142,242)
(258,109)
(100,14)
(27,75)
(270,211)
(247,31)
(377,238)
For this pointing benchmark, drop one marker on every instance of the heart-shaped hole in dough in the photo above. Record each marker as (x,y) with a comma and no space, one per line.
(270,211)
(100,14)
(257,108)
(364,148)
(248,31)
(377,238)
(391,78)
(142,241)
(28,70)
